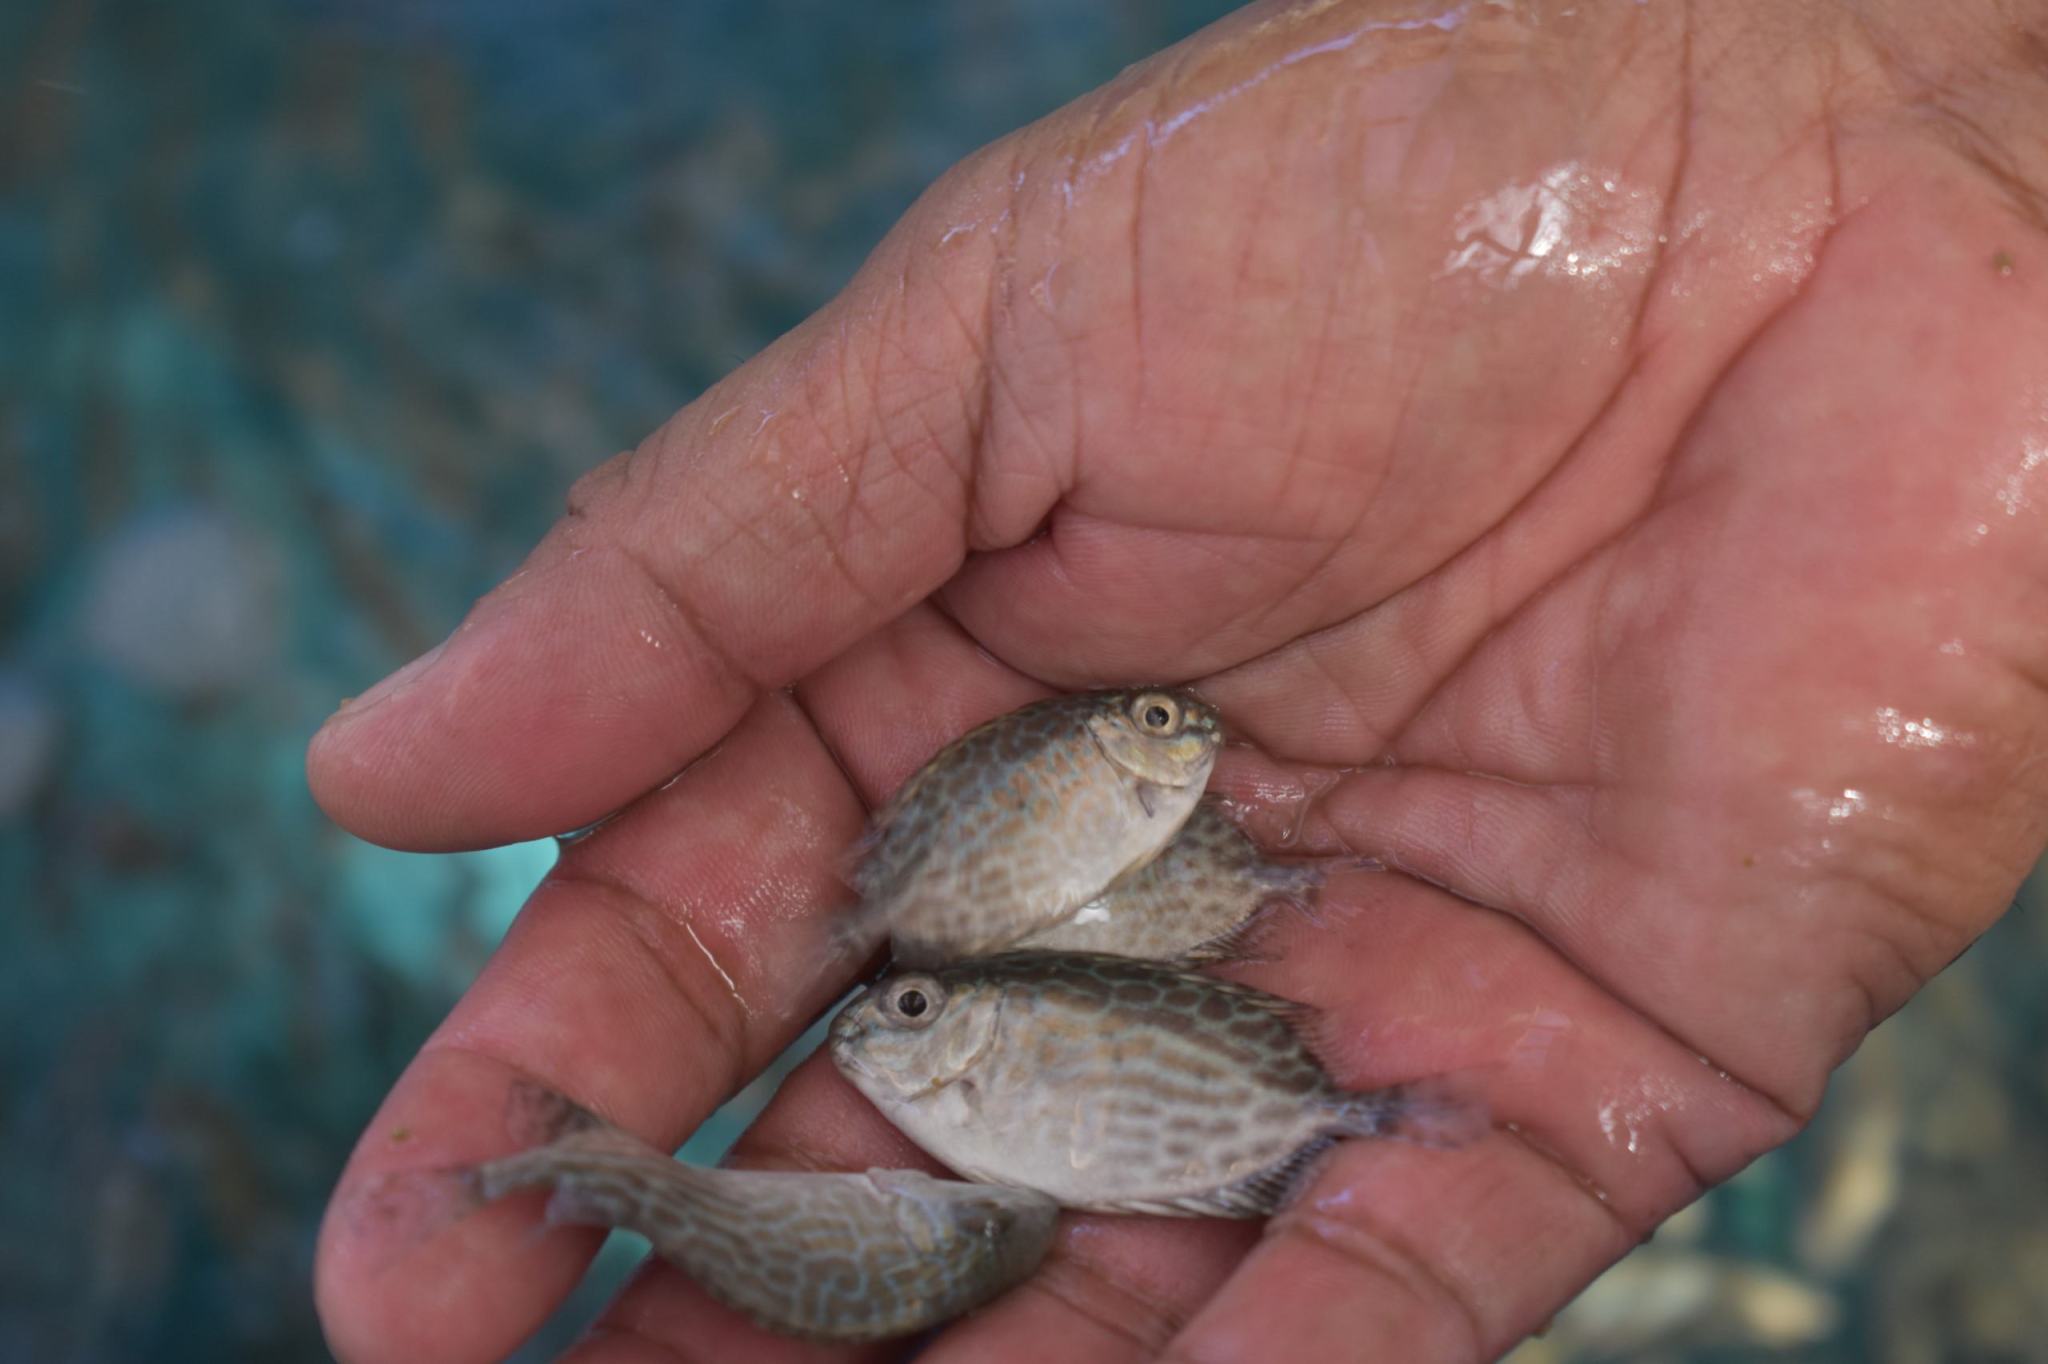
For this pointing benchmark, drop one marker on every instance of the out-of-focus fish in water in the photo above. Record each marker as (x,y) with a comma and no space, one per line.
(1196,900)
(1017,824)
(1119,1085)
(836,1257)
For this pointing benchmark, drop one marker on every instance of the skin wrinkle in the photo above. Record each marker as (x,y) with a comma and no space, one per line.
(1584,1184)
(713,649)
(973,404)
(1787,1114)
(1912,80)
(1369,1249)
(1298,448)
(1155,1322)
(1377,741)
(649,924)
(1882,999)
(864,451)
(973,391)
(1143,151)
(1003,338)
(609,1330)
(883,421)
(997,308)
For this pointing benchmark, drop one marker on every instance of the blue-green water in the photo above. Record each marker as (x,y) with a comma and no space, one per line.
(309,313)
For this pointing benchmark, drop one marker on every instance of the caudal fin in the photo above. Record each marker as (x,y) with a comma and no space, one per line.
(403,1208)
(1444,1111)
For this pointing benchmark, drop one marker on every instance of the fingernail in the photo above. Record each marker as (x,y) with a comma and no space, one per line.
(390,686)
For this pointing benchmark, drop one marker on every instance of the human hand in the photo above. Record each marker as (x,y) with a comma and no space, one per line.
(1614,435)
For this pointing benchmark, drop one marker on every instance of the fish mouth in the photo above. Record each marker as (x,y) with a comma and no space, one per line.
(848,1058)
(844,1036)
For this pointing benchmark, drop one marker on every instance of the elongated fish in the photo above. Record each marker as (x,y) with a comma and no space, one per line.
(1118,1085)
(1016,825)
(836,1257)
(1195,901)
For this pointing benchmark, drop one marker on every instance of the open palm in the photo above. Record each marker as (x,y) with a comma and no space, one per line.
(1614,442)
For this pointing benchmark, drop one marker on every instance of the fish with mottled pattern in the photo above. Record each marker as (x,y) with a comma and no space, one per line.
(1195,901)
(1015,825)
(836,1257)
(1119,1085)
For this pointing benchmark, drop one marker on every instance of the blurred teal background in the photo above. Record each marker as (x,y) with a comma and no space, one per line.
(309,312)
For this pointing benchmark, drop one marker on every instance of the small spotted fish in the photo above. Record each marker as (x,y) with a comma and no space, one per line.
(1118,1085)
(836,1257)
(1195,901)
(1016,825)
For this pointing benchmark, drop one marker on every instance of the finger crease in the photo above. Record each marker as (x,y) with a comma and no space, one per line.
(707,644)
(1120,1309)
(1370,1249)
(1590,1187)
(652,928)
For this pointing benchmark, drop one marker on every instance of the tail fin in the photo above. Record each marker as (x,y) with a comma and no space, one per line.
(1445,1111)
(406,1207)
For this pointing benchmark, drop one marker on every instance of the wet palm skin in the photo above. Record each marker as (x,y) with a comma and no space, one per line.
(1613,433)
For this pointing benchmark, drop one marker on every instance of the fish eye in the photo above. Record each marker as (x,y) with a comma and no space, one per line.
(914,1001)
(1157,713)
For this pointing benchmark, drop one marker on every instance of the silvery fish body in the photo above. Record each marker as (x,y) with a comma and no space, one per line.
(1114,1084)
(1017,824)
(840,1257)
(1190,903)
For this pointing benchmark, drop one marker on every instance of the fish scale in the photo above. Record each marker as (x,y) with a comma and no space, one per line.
(1192,902)
(841,1257)
(1017,824)
(1115,1084)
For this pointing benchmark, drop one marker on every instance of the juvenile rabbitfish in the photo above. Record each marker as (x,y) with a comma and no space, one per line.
(1117,1085)
(840,1257)
(1192,902)
(1017,824)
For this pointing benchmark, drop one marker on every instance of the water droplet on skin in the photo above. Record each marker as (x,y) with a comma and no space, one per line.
(1906,731)
(731,986)
(2012,494)
(1540,1032)
(1333,1202)
(1567,222)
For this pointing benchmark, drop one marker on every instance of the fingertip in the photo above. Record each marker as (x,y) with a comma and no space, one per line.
(408,1267)
(570,690)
